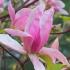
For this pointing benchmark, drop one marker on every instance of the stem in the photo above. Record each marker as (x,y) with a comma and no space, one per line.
(65,32)
(32,3)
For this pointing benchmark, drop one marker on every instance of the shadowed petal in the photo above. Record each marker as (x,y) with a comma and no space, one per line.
(36,63)
(8,42)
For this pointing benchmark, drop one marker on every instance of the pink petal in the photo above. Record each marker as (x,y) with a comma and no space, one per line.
(15,32)
(8,42)
(21,18)
(34,17)
(54,54)
(25,37)
(1,2)
(55,44)
(36,43)
(36,63)
(11,12)
(34,29)
(60,57)
(46,22)
(22,12)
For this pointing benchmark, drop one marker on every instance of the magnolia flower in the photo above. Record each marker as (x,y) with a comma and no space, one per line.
(58,6)
(34,37)
(18,19)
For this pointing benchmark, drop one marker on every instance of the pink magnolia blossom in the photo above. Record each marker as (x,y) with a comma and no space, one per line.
(58,6)
(20,19)
(34,37)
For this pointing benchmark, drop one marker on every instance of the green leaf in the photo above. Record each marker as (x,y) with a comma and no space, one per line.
(65,18)
(50,65)
(2,31)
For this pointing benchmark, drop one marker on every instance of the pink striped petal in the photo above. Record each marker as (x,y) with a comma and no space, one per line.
(46,22)
(8,42)
(34,29)
(54,54)
(55,44)
(11,12)
(36,63)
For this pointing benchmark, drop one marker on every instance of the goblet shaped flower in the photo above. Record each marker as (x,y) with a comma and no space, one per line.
(35,35)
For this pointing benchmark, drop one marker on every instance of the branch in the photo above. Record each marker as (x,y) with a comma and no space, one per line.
(65,32)
(26,2)
(23,6)
(4,17)
(32,3)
